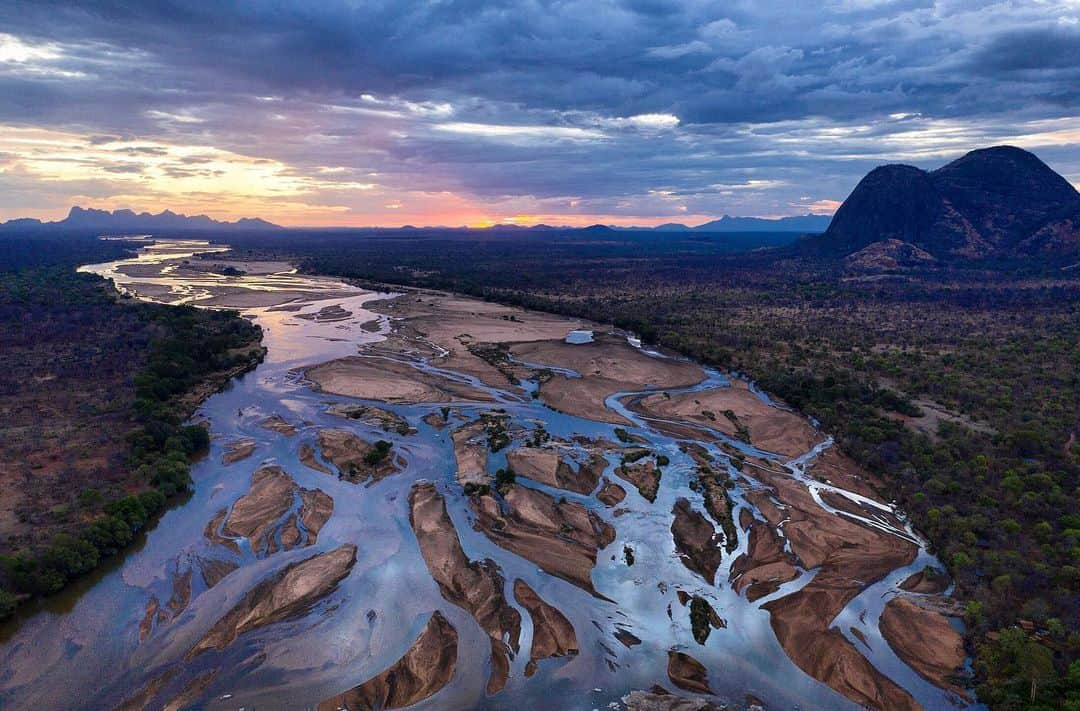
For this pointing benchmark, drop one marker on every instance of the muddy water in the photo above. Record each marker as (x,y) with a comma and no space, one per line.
(90,655)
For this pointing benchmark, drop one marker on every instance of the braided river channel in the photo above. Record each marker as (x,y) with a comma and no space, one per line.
(424,500)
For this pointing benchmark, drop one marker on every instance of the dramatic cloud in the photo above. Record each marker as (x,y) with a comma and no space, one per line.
(454,112)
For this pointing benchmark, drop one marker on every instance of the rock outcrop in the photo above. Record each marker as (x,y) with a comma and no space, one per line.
(888,255)
(212,532)
(255,514)
(315,510)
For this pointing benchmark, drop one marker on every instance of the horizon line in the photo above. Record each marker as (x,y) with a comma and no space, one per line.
(483,224)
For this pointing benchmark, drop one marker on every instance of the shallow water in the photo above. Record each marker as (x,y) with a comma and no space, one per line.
(579,337)
(89,654)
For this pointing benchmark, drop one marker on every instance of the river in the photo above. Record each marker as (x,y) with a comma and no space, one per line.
(89,653)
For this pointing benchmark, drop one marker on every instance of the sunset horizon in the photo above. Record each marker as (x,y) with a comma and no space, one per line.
(471,221)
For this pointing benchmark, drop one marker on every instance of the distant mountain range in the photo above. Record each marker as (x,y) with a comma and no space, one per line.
(994,202)
(806,224)
(129,222)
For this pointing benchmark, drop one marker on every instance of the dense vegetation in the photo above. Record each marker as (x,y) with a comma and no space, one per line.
(957,385)
(94,396)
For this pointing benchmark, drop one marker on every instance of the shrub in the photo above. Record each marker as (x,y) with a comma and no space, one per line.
(505,478)
(379,452)
(7,604)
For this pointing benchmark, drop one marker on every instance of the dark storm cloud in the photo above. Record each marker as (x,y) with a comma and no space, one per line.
(595,99)
(1032,49)
(557,56)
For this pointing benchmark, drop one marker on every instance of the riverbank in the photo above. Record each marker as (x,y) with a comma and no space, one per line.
(93,440)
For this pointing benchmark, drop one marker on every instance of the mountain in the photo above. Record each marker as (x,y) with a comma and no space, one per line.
(1000,201)
(22,223)
(255,223)
(806,224)
(598,230)
(797,223)
(127,221)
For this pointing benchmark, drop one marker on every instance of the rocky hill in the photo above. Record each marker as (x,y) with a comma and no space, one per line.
(1000,201)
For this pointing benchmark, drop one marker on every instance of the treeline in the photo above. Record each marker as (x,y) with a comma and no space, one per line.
(170,351)
(997,499)
(37,250)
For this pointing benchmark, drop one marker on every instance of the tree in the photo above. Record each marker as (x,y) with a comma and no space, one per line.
(1036,666)
(71,556)
(377,453)
(7,604)
(505,478)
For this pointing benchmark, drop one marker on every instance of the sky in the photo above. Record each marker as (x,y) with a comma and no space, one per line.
(475,113)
